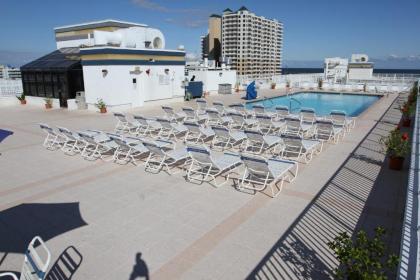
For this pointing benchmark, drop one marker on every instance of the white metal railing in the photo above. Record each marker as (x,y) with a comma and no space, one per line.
(10,87)
(409,251)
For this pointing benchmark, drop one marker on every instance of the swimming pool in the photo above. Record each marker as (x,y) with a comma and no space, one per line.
(323,103)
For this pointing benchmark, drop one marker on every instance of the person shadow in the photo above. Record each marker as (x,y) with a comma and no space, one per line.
(140,269)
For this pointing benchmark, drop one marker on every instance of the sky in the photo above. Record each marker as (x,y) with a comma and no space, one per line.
(388,31)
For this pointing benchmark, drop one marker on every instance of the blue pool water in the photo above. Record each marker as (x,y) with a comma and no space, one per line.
(323,103)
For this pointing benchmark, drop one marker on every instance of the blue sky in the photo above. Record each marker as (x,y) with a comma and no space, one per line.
(386,30)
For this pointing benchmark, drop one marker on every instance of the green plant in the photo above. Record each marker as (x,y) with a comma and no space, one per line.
(100,104)
(396,144)
(287,83)
(21,97)
(407,110)
(48,101)
(363,258)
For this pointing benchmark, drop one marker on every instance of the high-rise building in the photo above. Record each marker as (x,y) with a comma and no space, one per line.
(7,72)
(252,44)
(211,44)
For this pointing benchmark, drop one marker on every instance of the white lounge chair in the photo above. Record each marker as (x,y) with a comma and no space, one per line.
(72,143)
(340,118)
(307,116)
(172,115)
(160,158)
(257,142)
(215,118)
(147,126)
(220,107)
(239,121)
(297,147)
(171,129)
(225,138)
(53,140)
(267,173)
(267,125)
(129,150)
(197,133)
(123,124)
(326,131)
(260,109)
(97,146)
(193,115)
(240,108)
(35,264)
(201,106)
(282,112)
(206,166)
(294,126)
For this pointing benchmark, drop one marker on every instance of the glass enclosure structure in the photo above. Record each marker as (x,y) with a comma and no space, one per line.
(55,75)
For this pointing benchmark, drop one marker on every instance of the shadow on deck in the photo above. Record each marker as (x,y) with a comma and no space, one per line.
(363,193)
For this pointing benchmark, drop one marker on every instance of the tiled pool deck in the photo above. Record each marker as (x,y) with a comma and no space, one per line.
(188,231)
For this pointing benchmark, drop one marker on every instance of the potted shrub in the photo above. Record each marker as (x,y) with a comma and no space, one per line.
(407,112)
(397,146)
(273,85)
(101,105)
(287,84)
(362,257)
(412,98)
(320,82)
(48,103)
(22,98)
(237,87)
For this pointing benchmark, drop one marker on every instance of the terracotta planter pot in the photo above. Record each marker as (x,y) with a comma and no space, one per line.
(396,163)
(23,102)
(48,106)
(102,110)
(406,122)
(273,86)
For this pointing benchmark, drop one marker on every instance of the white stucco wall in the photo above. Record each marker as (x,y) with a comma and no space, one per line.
(118,91)
(360,73)
(212,78)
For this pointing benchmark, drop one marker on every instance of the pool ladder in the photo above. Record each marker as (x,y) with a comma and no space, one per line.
(290,104)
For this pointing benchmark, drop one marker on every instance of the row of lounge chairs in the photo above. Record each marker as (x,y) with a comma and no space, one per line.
(188,141)
(379,88)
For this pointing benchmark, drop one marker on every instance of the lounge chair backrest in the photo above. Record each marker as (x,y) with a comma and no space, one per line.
(201,103)
(263,119)
(121,117)
(213,113)
(338,116)
(66,132)
(238,107)
(35,265)
(169,111)
(119,141)
(189,112)
(164,122)
(255,136)
(237,117)
(255,164)
(219,106)
(200,153)
(141,119)
(153,147)
(292,122)
(282,110)
(259,109)
(193,127)
(292,140)
(307,114)
(47,128)
(221,131)
(88,138)
(326,125)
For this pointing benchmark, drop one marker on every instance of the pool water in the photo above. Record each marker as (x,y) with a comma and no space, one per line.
(322,103)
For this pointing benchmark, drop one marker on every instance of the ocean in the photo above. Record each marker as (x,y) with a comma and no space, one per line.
(321,70)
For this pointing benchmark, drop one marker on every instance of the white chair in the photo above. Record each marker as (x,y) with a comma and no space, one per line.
(297,147)
(260,109)
(201,106)
(326,131)
(147,126)
(53,140)
(160,157)
(123,124)
(129,150)
(282,112)
(307,116)
(239,121)
(257,142)
(193,115)
(72,143)
(240,108)
(35,264)
(340,119)
(225,138)
(197,133)
(220,107)
(206,166)
(267,173)
(294,126)
(171,129)
(267,125)
(97,146)
(215,118)
(172,115)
